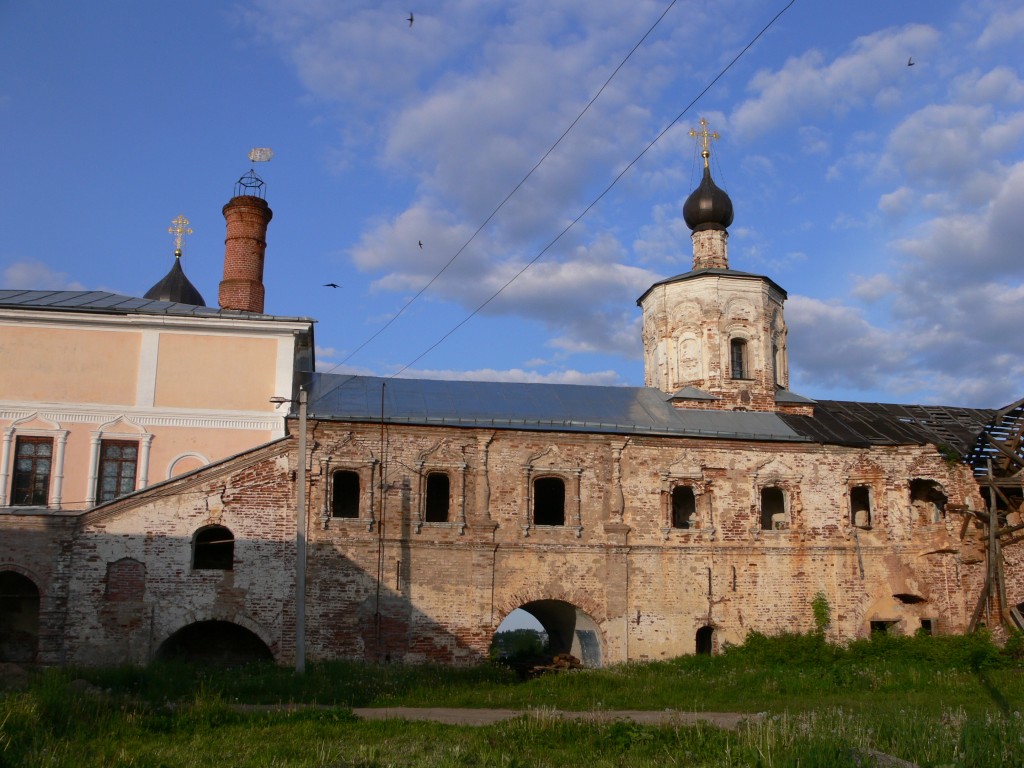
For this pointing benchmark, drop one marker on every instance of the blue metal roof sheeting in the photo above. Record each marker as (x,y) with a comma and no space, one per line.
(538,407)
(114,303)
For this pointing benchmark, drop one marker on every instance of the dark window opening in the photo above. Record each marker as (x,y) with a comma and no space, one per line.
(881,627)
(927,627)
(548,501)
(345,494)
(927,501)
(118,461)
(860,506)
(213,549)
(32,461)
(773,510)
(19,618)
(738,359)
(438,498)
(705,640)
(215,643)
(684,507)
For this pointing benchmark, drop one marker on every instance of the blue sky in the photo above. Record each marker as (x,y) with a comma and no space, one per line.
(886,199)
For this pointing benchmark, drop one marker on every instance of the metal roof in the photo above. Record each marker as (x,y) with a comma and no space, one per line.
(863,424)
(102,302)
(715,272)
(535,407)
(629,411)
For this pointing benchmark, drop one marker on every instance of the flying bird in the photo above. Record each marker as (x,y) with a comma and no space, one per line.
(331,285)
(421,243)
(910,61)
(411,18)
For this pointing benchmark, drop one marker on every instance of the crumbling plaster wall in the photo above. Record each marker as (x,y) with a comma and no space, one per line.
(252,497)
(437,591)
(37,545)
(644,583)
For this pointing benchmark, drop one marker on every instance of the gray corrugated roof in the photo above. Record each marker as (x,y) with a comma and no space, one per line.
(113,303)
(631,411)
(714,271)
(540,407)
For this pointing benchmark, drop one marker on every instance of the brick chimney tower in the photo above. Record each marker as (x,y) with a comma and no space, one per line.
(247,217)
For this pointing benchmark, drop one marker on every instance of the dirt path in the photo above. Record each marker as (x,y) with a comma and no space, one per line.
(489,716)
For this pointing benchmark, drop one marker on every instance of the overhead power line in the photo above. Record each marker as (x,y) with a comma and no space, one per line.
(604,192)
(508,197)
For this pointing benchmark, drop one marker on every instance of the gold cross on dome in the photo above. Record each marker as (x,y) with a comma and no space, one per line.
(705,138)
(179,228)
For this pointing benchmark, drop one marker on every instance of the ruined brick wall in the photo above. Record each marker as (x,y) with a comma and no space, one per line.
(36,546)
(134,583)
(389,584)
(648,586)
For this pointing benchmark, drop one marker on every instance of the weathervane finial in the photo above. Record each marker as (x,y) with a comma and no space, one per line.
(705,138)
(179,228)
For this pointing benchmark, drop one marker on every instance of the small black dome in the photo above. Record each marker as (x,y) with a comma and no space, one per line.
(707,207)
(176,287)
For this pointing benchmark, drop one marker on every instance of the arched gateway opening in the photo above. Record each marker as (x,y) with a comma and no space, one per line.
(214,642)
(567,629)
(19,618)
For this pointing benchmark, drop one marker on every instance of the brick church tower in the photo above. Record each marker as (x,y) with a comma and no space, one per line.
(715,337)
(247,215)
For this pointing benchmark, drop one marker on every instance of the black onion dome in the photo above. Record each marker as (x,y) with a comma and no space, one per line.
(175,287)
(707,207)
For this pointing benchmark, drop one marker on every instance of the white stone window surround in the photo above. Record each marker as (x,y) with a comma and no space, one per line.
(789,485)
(143,438)
(740,334)
(60,438)
(572,478)
(874,495)
(702,519)
(456,473)
(367,471)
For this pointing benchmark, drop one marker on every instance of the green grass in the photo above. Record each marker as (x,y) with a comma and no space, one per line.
(944,701)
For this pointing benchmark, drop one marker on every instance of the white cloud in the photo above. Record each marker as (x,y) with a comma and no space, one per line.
(1005,26)
(872,289)
(808,84)
(1000,85)
(455,111)
(896,203)
(832,345)
(36,275)
(599,378)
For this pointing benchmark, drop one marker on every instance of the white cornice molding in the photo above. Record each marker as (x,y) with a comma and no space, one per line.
(134,322)
(243,420)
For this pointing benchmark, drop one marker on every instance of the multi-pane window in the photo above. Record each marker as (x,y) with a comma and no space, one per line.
(32,461)
(118,462)
(738,359)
